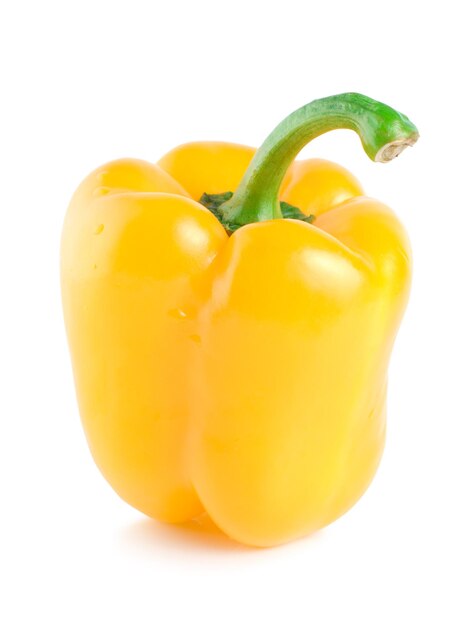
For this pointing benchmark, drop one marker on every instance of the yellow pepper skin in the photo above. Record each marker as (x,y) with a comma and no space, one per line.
(239,371)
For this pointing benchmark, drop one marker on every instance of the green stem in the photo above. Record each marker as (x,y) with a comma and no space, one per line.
(383,131)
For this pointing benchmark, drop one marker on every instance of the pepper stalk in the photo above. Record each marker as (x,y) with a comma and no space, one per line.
(384,133)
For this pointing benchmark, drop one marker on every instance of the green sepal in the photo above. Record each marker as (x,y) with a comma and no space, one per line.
(213,202)
(293,213)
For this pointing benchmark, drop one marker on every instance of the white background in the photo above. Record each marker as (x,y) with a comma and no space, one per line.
(86,82)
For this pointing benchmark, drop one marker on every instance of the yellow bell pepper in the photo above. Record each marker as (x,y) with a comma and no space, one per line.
(233,359)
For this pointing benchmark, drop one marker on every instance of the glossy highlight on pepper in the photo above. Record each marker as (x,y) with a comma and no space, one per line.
(233,360)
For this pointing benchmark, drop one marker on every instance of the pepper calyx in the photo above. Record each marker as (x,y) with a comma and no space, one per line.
(213,202)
